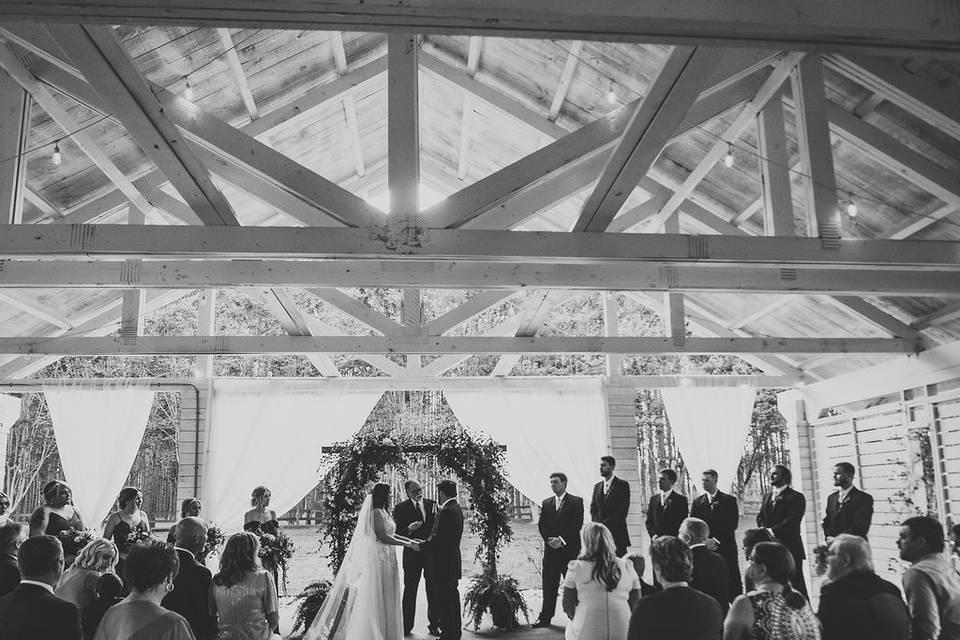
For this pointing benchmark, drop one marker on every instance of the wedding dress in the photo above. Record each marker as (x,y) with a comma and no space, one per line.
(364,601)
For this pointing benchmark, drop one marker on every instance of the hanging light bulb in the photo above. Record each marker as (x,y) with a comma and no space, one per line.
(728,159)
(56,158)
(612,93)
(187,89)
(852,209)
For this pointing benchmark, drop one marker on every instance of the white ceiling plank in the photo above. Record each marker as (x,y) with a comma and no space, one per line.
(566,78)
(466,133)
(233,59)
(947,314)
(763,311)
(356,309)
(878,317)
(774,170)
(14,133)
(35,309)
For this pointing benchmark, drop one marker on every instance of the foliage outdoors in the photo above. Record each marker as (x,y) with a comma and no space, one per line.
(309,602)
(488,591)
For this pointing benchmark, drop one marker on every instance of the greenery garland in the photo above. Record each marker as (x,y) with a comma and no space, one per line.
(476,461)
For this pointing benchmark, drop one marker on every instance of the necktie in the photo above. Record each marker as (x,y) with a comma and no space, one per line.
(713,503)
(558,502)
(423,516)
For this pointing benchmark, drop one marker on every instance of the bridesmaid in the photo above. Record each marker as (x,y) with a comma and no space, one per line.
(189,508)
(57,514)
(260,514)
(128,520)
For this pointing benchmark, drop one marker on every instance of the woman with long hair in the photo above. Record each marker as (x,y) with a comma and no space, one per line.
(56,515)
(127,525)
(259,513)
(243,595)
(78,584)
(600,589)
(773,610)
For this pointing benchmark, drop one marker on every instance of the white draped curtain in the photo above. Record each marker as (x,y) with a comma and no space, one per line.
(98,433)
(9,411)
(710,425)
(271,433)
(545,427)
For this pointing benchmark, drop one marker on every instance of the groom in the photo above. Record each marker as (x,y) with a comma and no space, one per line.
(443,559)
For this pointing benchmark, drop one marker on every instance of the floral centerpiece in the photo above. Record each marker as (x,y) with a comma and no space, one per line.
(214,539)
(74,540)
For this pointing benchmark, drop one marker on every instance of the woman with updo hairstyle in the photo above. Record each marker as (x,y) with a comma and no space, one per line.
(128,525)
(57,514)
(78,584)
(260,514)
(773,610)
(150,570)
(189,508)
(244,595)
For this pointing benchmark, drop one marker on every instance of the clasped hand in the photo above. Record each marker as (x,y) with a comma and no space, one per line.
(554,542)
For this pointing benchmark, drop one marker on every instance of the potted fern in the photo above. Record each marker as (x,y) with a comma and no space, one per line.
(310,601)
(500,595)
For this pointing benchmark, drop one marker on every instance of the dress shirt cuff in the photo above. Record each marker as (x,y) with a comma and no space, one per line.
(562,541)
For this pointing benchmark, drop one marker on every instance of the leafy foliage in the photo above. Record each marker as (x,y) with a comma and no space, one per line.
(489,591)
(309,602)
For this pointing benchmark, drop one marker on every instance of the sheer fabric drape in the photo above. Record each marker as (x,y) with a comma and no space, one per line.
(271,433)
(545,426)
(98,433)
(710,425)
(9,410)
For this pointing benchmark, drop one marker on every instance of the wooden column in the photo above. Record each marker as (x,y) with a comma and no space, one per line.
(194,422)
(803,467)
(775,170)
(622,423)
(14,129)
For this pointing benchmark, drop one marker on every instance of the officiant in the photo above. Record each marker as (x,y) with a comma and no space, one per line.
(414,518)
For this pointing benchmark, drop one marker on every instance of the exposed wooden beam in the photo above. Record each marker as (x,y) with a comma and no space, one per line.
(611,312)
(763,311)
(656,118)
(131,315)
(473,54)
(35,309)
(357,310)
(383,363)
(674,307)
(880,318)
(566,77)
(285,310)
(880,25)
(464,312)
(206,326)
(446,362)
(14,132)
(239,77)
(46,208)
(534,314)
(949,313)
(349,106)
(466,133)
(339,52)
(774,170)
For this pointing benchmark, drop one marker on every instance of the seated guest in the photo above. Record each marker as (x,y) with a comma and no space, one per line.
(857,604)
(931,585)
(109,590)
(600,589)
(752,537)
(244,595)
(709,567)
(31,610)
(773,610)
(79,583)
(11,537)
(678,611)
(189,508)
(639,566)
(150,570)
(191,588)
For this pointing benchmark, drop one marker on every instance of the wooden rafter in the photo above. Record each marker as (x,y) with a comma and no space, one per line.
(944,315)
(239,77)
(356,309)
(533,316)
(566,78)
(14,131)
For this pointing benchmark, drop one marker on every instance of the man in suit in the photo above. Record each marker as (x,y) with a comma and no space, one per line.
(667,509)
(719,510)
(710,574)
(610,504)
(11,537)
(849,510)
(443,559)
(191,588)
(31,610)
(414,517)
(561,518)
(780,514)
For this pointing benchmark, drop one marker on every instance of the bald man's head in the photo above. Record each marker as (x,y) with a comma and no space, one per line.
(191,535)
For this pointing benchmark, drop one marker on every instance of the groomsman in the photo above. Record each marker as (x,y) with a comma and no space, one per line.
(667,509)
(780,514)
(849,510)
(414,517)
(719,510)
(561,518)
(610,504)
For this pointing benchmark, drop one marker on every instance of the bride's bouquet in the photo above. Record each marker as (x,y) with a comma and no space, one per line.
(74,540)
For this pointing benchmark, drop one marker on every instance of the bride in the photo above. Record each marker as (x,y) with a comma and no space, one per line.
(364,601)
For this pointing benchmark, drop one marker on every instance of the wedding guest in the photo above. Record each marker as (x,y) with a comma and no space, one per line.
(244,596)
(751,538)
(774,610)
(955,547)
(11,537)
(931,585)
(710,574)
(611,503)
(57,514)
(780,513)
(667,508)
(150,570)
(639,566)
(191,587)
(678,611)
(31,610)
(856,603)
(560,521)
(719,510)
(414,519)
(109,590)
(79,583)
(189,508)
(600,589)
(128,525)
(849,510)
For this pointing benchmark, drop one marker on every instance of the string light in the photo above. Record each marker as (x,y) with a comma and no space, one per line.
(852,210)
(56,158)
(728,159)
(187,89)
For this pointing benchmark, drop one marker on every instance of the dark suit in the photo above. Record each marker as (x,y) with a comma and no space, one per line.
(853,516)
(31,611)
(664,520)
(443,566)
(611,510)
(415,562)
(565,523)
(190,596)
(710,576)
(723,518)
(783,518)
(9,574)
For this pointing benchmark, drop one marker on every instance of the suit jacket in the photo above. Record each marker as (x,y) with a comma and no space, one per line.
(711,576)
(32,612)
(853,516)
(783,518)
(190,596)
(404,514)
(443,545)
(723,519)
(665,521)
(9,574)
(565,523)
(611,509)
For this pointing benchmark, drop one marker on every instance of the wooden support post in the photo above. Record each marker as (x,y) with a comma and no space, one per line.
(131,319)
(675,320)
(206,326)
(14,131)
(622,426)
(803,468)
(611,316)
(775,170)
